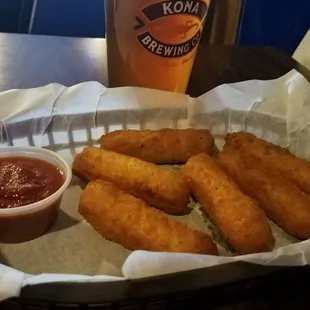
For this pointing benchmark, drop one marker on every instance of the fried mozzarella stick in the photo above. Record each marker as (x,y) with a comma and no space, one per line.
(237,216)
(292,168)
(159,187)
(165,146)
(281,200)
(129,221)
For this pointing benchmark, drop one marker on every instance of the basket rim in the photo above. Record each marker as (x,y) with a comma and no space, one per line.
(151,287)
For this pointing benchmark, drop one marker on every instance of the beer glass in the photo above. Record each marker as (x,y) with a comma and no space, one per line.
(153,43)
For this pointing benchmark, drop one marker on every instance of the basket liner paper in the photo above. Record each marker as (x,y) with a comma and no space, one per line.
(66,120)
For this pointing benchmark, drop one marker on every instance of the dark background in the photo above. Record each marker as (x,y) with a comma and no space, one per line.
(278,23)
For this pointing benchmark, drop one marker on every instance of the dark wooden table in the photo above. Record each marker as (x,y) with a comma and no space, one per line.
(30,61)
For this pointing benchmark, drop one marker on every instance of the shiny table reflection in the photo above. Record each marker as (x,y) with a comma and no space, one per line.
(31,60)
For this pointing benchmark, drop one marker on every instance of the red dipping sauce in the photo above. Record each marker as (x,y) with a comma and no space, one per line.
(32,183)
(26,180)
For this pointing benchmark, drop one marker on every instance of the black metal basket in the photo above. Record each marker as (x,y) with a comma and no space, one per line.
(232,286)
(237,285)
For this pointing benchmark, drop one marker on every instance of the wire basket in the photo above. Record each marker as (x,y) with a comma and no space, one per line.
(232,286)
(268,289)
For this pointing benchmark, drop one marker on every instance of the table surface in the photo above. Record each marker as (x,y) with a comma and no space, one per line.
(29,61)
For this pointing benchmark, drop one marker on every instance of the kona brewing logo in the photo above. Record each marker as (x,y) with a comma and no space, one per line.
(197,9)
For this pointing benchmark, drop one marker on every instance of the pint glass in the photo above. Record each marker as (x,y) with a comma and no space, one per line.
(153,43)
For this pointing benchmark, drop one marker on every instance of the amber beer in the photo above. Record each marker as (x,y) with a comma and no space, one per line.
(153,43)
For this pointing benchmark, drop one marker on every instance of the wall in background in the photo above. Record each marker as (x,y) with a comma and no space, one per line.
(15,15)
(278,23)
(76,18)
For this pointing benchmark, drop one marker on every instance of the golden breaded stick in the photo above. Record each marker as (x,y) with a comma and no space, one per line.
(283,202)
(237,216)
(165,146)
(159,187)
(292,168)
(127,220)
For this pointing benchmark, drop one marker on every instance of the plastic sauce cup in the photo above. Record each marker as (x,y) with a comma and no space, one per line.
(31,221)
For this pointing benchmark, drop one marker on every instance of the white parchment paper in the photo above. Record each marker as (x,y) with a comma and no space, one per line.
(67,119)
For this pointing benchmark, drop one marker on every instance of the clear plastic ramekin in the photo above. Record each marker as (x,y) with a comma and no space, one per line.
(31,221)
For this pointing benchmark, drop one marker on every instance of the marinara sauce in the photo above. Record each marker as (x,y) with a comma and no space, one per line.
(23,181)
(26,180)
